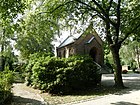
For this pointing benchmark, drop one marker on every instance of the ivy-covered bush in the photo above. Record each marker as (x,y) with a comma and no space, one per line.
(62,76)
(6,80)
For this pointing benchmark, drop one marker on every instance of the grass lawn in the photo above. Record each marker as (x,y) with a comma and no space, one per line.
(78,96)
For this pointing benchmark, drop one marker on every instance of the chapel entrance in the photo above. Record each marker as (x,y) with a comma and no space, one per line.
(93,53)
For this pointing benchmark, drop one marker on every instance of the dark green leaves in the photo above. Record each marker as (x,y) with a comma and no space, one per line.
(10,8)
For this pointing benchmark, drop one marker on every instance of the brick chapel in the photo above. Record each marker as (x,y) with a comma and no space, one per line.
(87,43)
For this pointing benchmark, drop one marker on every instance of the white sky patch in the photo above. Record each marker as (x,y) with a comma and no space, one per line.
(12,43)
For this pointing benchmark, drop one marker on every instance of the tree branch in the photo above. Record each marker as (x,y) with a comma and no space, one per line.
(110,4)
(99,6)
(108,34)
(92,8)
(59,6)
(88,5)
(104,13)
(127,35)
(118,21)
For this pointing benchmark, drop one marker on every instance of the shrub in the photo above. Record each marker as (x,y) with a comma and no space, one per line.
(19,72)
(81,73)
(6,80)
(43,71)
(62,76)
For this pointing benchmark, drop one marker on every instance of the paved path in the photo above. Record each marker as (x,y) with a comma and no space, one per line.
(27,96)
(24,95)
(130,96)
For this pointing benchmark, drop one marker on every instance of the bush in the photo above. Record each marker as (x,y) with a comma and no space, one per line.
(62,76)
(42,71)
(6,80)
(19,72)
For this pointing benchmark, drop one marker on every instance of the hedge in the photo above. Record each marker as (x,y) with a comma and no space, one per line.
(62,76)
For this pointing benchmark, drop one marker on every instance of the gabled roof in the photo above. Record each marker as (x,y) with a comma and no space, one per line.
(72,39)
(68,40)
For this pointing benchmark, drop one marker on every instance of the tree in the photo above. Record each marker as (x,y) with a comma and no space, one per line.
(8,12)
(120,18)
(130,54)
(35,33)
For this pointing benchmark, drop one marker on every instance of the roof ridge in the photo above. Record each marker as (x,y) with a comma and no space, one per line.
(63,41)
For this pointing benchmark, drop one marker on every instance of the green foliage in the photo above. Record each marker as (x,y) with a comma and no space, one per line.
(10,8)
(33,59)
(109,63)
(7,59)
(9,11)
(6,80)
(35,33)
(119,19)
(80,73)
(19,72)
(62,76)
(130,54)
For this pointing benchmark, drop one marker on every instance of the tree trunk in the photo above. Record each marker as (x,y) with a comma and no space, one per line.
(137,56)
(118,67)
(116,58)
(2,59)
(2,51)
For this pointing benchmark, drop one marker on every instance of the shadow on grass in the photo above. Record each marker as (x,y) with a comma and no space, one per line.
(106,87)
(17,100)
(124,103)
(131,81)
